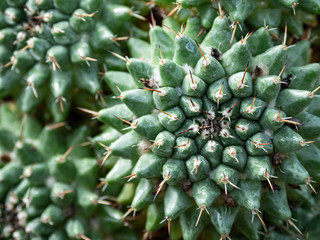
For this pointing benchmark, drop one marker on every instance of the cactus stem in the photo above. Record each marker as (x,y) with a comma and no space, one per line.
(256,212)
(295,227)
(61,195)
(234,31)
(161,185)
(107,153)
(203,207)
(177,8)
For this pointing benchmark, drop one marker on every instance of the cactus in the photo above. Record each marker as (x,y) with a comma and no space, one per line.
(59,48)
(213,125)
(212,131)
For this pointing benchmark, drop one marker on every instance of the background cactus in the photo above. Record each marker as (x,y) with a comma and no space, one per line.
(212,131)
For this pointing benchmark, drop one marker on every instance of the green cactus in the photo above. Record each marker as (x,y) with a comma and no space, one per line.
(213,127)
(212,131)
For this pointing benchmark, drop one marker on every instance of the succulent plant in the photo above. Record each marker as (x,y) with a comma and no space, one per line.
(213,130)
(217,125)
(47,183)
(51,50)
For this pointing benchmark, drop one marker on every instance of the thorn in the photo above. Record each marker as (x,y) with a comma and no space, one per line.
(295,227)
(201,31)
(116,39)
(220,95)
(171,30)
(289,121)
(61,195)
(201,52)
(234,32)
(65,155)
(93,113)
(34,90)
(193,85)
(56,125)
(308,182)
(284,37)
(153,22)
(251,107)
(172,117)
(201,210)
(131,176)
(161,57)
(151,146)
(225,180)
(108,153)
(266,175)
(126,59)
(100,95)
(220,9)
(177,8)
(55,64)
(293,5)
(183,28)
(161,185)
(82,16)
(61,100)
(82,237)
(24,48)
(135,15)
(242,80)
(314,91)
(162,93)
(256,212)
